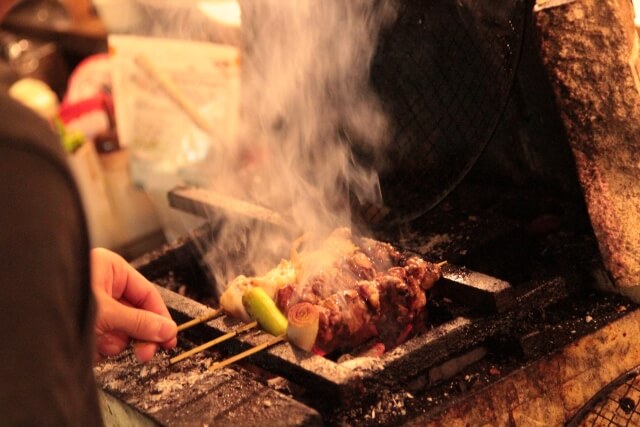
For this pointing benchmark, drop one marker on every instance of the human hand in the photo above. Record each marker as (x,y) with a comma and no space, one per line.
(129,307)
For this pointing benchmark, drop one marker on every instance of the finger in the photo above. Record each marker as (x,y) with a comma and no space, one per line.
(167,344)
(136,323)
(142,293)
(124,282)
(144,351)
(110,344)
(170,343)
(101,270)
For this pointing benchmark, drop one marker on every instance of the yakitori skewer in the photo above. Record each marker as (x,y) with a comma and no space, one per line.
(213,342)
(247,353)
(260,305)
(204,318)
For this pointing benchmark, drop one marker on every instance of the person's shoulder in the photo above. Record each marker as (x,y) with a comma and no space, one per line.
(21,128)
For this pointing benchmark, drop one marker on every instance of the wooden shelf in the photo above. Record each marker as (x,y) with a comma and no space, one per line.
(79,33)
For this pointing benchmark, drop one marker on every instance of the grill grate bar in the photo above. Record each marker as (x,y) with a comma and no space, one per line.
(615,405)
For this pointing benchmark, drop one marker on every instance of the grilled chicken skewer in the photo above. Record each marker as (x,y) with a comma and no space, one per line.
(336,297)
(361,288)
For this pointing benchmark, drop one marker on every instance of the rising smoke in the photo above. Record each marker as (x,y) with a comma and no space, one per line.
(306,102)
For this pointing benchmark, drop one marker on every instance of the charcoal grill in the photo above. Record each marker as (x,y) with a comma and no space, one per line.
(517,332)
(484,329)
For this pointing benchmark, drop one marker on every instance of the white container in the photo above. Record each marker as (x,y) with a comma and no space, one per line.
(104,229)
(133,210)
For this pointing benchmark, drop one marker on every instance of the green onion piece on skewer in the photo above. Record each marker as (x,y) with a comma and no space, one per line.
(262,308)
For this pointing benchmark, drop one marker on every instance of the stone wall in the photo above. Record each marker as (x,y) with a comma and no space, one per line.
(586,47)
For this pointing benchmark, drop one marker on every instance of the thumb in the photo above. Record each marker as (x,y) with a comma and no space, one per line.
(140,324)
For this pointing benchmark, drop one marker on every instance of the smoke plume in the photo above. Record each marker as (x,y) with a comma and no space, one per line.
(306,103)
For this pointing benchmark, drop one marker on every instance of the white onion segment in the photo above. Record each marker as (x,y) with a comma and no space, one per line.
(303,325)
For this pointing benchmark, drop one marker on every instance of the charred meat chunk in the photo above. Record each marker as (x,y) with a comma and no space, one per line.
(374,291)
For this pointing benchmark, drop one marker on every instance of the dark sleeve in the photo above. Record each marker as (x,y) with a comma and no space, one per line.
(46,307)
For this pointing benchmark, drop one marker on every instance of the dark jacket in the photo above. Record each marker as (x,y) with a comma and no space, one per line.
(46,305)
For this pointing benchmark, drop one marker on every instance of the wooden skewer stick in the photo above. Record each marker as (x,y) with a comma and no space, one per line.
(442,263)
(253,350)
(173,92)
(198,320)
(213,342)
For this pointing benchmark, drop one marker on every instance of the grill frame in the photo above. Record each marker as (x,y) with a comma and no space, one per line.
(488,307)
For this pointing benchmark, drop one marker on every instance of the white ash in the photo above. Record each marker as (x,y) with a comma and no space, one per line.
(390,403)
(155,385)
(436,245)
(433,242)
(363,363)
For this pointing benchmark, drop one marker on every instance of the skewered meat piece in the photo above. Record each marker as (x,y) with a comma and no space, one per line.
(361,288)
(382,254)
(374,291)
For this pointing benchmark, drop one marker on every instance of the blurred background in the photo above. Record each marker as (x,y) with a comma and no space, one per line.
(54,57)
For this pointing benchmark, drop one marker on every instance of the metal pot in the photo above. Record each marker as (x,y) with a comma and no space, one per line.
(28,57)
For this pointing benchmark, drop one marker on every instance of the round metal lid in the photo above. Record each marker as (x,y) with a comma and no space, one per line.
(444,72)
